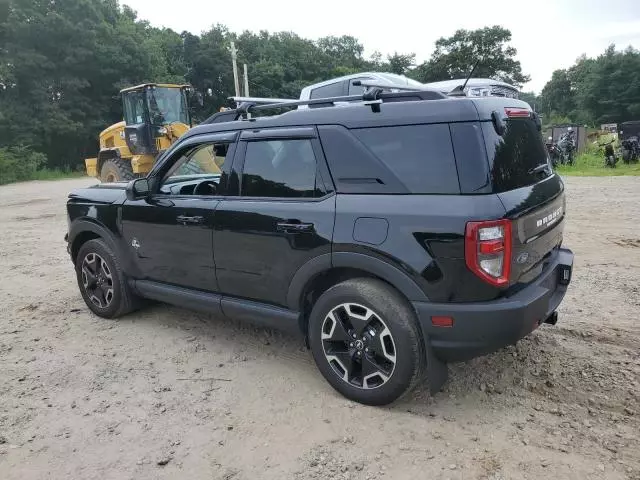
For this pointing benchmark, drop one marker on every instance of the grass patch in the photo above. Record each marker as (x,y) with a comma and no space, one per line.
(591,164)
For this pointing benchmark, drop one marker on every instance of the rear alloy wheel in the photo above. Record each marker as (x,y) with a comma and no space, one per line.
(366,341)
(358,345)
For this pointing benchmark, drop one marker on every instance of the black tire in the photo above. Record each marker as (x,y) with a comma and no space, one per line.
(116,170)
(394,313)
(121,300)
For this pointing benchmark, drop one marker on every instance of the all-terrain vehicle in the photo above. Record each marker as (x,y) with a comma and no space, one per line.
(395,234)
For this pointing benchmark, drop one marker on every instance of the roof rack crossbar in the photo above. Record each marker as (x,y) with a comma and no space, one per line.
(388,86)
(267,103)
(373,98)
(376,93)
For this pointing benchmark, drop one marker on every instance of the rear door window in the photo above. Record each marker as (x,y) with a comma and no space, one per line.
(514,155)
(280,168)
(421,156)
(331,90)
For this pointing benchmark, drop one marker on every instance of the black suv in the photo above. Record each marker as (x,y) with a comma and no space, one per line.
(396,234)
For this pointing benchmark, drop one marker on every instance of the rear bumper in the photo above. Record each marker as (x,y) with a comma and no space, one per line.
(481,328)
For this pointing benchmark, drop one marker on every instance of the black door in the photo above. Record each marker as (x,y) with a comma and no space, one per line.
(282,217)
(171,232)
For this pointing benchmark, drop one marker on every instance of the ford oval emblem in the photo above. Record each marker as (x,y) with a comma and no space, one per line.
(522,258)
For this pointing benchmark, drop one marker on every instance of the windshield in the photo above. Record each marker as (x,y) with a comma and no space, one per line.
(167,105)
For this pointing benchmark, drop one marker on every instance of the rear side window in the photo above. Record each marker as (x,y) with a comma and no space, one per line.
(420,156)
(331,90)
(279,168)
(514,155)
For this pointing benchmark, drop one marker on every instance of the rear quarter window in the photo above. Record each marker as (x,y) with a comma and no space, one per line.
(420,156)
(514,155)
(331,90)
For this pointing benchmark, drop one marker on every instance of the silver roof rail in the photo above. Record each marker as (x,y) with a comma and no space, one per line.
(373,98)
(255,103)
(388,86)
(261,100)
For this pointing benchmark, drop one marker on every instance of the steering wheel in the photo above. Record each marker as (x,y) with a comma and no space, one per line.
(206,187)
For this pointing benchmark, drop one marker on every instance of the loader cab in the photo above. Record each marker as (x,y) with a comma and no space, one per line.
(151,113)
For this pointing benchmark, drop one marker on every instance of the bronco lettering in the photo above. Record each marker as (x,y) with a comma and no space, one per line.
(551,218)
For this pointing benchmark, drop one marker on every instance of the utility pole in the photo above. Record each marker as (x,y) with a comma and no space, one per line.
(246,85)
(235,68)
(246,81)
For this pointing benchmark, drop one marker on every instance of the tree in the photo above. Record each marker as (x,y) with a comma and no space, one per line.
(64,64)
(344,52)
(399,63)
(598,90)
(609,86)
(455,56)
(532,99)
(557,95)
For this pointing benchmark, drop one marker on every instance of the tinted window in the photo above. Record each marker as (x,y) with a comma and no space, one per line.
(471,157)
(421,156)
(356,90)
(514,155)
(331,90)
(279,168)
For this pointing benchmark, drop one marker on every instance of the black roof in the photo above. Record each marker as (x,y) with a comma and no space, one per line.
(360,115)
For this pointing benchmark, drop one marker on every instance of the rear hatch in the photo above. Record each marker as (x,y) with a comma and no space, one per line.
(533,196)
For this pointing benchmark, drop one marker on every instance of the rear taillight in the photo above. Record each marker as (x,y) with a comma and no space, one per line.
(487,250)
(516,112)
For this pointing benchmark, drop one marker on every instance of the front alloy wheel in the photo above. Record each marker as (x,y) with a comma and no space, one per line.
(358,345)
(97,280)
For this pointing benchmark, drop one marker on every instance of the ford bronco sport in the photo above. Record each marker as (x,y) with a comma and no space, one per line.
(396,234)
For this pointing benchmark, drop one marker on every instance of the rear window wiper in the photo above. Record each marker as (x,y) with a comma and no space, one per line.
(540,168)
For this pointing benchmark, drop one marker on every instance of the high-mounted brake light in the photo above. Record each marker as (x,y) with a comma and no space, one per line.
(487,250)
(513,112)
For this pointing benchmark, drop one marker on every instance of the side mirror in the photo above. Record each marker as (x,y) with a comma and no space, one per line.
(137,189)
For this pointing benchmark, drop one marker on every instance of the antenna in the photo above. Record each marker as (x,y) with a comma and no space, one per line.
(459,90)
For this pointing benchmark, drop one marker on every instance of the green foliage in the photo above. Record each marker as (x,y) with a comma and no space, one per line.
(532,99)
(455,56)
(399,63)
(598,90)
(63,62)
(19,163)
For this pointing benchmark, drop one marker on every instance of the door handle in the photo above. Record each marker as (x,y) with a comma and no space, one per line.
(186,220)
(294,227)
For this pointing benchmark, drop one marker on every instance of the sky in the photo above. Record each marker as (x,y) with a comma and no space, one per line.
(547,34)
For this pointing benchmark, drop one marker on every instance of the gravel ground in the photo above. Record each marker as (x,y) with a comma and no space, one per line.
(167,393)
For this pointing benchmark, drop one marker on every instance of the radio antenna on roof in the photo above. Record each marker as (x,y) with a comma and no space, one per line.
(459,90)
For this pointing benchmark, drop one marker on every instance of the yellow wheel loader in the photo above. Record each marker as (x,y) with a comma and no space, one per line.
(155,116)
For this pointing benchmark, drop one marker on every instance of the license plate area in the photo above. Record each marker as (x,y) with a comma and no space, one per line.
(564,274)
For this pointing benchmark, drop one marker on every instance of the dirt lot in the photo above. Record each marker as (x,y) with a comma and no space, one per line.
(82,397)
